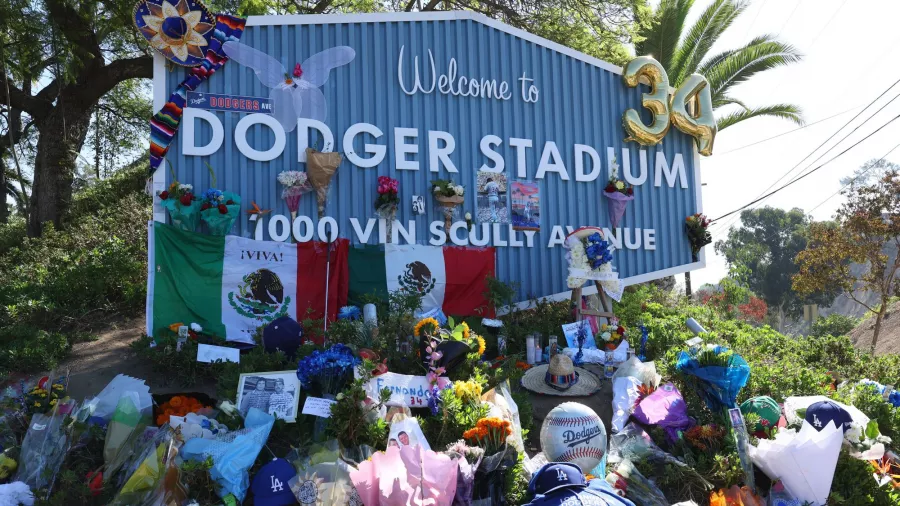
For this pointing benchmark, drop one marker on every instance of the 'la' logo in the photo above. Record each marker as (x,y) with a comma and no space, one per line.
(276,484)
(816,421)
(561,476)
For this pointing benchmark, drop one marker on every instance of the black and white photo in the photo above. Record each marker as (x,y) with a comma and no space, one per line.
(276,393)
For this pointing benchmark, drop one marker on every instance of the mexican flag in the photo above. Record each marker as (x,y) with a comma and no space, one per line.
(232,285)
(450,278)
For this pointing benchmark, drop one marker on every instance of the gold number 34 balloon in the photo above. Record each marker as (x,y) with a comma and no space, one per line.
(670,108)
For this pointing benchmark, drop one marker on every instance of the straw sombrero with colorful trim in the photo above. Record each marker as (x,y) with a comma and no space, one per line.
(560,377)
(179,31)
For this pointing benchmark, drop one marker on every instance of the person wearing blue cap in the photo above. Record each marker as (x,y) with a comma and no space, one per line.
(563,484)
(270,485)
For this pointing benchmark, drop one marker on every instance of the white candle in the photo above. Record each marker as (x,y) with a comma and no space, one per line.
(529,349)
(369,315)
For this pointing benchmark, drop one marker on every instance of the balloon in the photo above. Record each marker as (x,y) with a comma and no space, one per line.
(702,125)
(657,101)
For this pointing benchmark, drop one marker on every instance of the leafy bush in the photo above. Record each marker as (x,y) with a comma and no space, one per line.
(834,325)
(853,485)
(26,348)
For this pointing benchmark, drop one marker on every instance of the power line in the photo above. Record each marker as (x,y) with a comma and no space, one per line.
(798,178)
(788,132)
(832,136)
(861,174)
(752,23)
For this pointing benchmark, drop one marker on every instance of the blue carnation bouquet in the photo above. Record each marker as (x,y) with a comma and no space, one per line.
(597,250)
(717,374)
(327,372)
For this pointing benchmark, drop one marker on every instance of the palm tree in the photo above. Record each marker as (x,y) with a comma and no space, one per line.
(683,51)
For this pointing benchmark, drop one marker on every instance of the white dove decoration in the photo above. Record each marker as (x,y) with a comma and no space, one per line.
(297,94)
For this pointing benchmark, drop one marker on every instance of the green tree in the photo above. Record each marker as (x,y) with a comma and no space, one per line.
(761,253)
(684,50)
(865,223)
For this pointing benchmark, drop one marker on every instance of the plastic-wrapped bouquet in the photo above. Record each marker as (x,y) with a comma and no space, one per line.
(182,205)
(619,194)
(321,168)
(387,202)
(219,210)
(295,184)
(327,372)
(449,196)
(716,372)
(698,235)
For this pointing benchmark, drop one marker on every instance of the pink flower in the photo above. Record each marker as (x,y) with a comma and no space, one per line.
(298,71)
(436,356)
(431,377)
(428,349)
(440,370)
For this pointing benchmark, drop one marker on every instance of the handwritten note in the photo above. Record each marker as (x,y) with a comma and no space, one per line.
(406,390)
(317,406)
(209,353)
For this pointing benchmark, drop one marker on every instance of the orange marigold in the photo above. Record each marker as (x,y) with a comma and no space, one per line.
(176,401)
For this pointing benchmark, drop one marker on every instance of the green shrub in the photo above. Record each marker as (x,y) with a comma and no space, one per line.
(27,349)
(869,401)
(853,485)
(834,325)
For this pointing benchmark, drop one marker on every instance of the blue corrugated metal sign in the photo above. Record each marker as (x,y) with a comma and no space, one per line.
(440,96)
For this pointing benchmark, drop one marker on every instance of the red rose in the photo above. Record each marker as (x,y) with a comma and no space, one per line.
(620,330)
(630,191)
(229,203)
(223,209)
(163,195)
(205,206)
(186,199)
(193,335)
(610,188)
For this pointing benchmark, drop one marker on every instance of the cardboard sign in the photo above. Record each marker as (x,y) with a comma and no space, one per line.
(235,103)
(316,406)
(209,353)
(406,390)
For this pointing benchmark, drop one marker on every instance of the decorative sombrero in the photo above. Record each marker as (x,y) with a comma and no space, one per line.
(560,377)
(180,32)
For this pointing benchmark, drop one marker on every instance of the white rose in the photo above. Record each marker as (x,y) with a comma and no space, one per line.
(606,336)
(468,216)
(459,190)
(196,328)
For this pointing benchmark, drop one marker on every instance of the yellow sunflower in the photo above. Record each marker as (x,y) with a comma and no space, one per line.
(466,332)
(481,344)
(421,325)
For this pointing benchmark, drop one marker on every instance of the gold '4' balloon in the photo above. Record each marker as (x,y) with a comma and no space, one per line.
(670,108)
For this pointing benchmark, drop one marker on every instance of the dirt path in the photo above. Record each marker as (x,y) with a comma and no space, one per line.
(93,364)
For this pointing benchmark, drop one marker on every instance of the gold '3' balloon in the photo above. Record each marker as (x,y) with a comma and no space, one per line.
(702,124)
(657,101)
(669,109)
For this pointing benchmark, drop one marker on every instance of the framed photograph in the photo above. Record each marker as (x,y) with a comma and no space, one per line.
(277,393)
(491,199)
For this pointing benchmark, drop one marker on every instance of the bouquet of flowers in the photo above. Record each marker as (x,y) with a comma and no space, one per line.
(716,372)
(178,405)
(490,434)
(43,398)
(182,205)
(295,184)
(321,167)
(326,373)
(387,202)
(619,194)
(449,196)
(698,235)
(219,210)
(612,333)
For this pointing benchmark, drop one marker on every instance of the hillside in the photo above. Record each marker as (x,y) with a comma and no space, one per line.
(888,338)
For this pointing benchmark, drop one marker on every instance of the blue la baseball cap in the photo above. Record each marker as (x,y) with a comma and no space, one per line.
(820,413)
(555,476)
(283,334)
(270,485)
